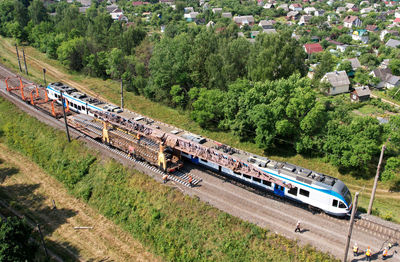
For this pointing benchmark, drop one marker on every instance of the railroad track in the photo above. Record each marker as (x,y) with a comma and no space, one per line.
(364,224)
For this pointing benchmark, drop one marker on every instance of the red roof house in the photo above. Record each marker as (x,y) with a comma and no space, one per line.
(313,48)
(397,20)
(137,3)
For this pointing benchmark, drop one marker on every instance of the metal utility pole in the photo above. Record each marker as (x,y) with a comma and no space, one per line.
(26,68)
(19,62)
(353,213)
(376,181)
(44,77)
(41,237)
(122,95)
(65,117)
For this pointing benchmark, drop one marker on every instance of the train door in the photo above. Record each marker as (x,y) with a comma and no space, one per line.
(279,190)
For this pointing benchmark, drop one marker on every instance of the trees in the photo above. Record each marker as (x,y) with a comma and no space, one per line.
(274,57)
(37,11)
(70,53)
(14,240)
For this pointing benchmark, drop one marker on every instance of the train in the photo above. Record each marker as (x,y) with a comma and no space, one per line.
(317,190)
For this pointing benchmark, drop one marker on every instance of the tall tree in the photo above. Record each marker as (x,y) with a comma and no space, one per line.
(37,11)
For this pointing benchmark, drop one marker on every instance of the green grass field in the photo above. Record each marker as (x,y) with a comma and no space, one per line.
(386,203)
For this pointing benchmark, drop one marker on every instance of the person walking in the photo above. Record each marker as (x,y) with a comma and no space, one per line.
(297,227)
(190,181)
(368,254)
(355,250)
(165,178)
(385,253)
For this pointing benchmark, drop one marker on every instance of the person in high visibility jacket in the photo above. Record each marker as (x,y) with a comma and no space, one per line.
(385,253)
(368,254)
(355,250)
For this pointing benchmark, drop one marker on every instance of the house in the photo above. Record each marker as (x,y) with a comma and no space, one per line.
(305,19)
(188,10)
(360,94)
(392,43)
(340,9)
(342,48)
(339,82)
(123,18)
(217,10)
(284,7)
(397,14)
(387,79)
(350,6)
(309,10)
(364,3)
(266,24)
(355,64)
(295,7)
(139,3)
(116,13)
(269,6)
(313,48)
(385,32)
(244,20)
(269,31)
(319,12)
(227,15)
(385,63)
(396,21)
(293,15)
(191,17)
(367,10)
(360,35)
(253,34)
(351,21)
(372,28)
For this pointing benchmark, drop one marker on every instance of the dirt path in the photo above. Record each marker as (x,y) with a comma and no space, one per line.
(36,191)
(386,101)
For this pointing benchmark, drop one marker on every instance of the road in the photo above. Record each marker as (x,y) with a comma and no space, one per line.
(326,233)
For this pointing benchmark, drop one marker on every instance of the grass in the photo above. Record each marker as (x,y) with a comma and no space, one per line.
(110,90)
(170,224)
(370,110)
(382,94)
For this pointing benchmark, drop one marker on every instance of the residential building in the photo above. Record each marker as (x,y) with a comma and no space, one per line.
(293,15)
(319,12)
(351,21)
(244,20)
(191,17)
(296,7)
(355,64)
(372,28)
(339,82)
(360,94)
(309,10)
(392,43)
(116,13)
(385,32)
(188,9)
(305,19)
(266,24)
(350,6)
(284,7)
(387,79)
(360,35)
(217,10)
(313,48)
(341,9)
(226,15)
(367,10)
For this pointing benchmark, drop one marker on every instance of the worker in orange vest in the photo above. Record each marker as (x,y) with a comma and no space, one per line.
(190,181)
(385,253)
(355,250)
(368,254)
(165,178)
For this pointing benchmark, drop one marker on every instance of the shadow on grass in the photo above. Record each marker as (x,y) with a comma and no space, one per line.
(7,172)
(24,199)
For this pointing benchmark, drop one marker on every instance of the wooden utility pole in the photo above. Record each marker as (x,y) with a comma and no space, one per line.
(65,117)
(44,77)
(19,62)
(376,181)
(26,68)
(353,213)
(41,237)
(122,95)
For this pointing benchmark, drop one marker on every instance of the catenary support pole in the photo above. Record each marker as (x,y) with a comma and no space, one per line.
(23,54)
(353,212)
(371,201)
(65,117)
(19,62)
(43,244)
(122,95)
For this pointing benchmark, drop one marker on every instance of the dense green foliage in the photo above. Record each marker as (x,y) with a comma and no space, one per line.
(174,226)
(15,243)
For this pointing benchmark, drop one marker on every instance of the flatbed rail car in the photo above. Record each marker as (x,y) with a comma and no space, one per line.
(286,180)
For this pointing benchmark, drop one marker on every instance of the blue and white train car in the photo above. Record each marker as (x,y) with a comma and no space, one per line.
(78,101)
(321,191)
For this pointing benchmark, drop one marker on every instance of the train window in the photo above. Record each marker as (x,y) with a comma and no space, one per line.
(204,160)
(246,176)
(304,192)
(342,205)
(293,191)
(267,183)
(334,203)
(255,179)
(79,108)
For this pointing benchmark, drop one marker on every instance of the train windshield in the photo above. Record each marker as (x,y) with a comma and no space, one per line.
(346,195)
